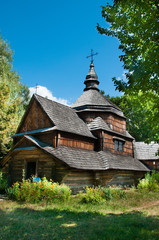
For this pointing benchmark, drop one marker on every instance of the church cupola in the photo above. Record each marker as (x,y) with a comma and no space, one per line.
(91,81)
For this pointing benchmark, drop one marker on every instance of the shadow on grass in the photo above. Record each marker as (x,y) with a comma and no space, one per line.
(26,223)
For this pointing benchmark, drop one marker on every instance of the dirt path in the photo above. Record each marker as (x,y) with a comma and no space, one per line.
(148,205)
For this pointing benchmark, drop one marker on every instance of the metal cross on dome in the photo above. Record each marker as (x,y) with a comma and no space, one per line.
(36,88)
(91,56)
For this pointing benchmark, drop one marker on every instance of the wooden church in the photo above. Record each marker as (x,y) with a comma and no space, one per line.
(83,145)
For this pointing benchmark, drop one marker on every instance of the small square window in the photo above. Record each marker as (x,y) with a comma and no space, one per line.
(118,145)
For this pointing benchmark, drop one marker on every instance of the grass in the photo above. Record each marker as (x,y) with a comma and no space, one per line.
(136,217)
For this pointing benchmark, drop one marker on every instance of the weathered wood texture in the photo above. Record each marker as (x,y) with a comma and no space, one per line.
(108,144)
(71,140)
(46,165)
(24,143)
(47,138)
(115,122)
(77,180)
(152,164)
(35,118)
(118,177)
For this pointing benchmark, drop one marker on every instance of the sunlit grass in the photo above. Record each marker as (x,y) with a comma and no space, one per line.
(136,217)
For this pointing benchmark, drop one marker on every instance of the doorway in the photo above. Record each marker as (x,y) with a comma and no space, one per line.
(30,169)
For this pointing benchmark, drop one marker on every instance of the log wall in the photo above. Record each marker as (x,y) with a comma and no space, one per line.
(45,164)
(77,180)
(118,177)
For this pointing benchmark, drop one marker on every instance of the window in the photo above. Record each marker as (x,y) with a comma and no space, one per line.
(118,145)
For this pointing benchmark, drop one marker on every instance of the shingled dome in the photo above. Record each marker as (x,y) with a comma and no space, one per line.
(92,99)
(91,81)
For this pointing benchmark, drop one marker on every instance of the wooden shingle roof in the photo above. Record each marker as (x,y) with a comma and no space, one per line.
(63,117)
(143,151)
(90,160)
(94,100)
(98,123)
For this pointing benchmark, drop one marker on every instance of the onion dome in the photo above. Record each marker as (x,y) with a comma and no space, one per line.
(91,81)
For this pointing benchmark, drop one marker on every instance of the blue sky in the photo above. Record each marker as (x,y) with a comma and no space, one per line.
(51,40)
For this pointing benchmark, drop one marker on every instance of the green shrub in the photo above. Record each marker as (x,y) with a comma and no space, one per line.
(98,194)
(3,182)
(113,193)
(150,182)
(92,195)
(35,192)
(155,176)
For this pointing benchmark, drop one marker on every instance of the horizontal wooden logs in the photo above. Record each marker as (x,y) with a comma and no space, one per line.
(116,123)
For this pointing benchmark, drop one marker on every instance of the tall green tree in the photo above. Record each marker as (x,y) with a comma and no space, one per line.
(138,113)
(135,24)
(14,97)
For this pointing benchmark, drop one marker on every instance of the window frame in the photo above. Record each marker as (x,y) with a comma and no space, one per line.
(118,145)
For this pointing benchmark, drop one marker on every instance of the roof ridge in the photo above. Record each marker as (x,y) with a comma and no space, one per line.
(47,99)
(64,117)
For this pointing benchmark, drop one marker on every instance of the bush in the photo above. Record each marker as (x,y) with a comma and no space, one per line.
(35,192)
(113,193)
(150,182)
(155,176)
(92,195)
(98,194)
(3,182)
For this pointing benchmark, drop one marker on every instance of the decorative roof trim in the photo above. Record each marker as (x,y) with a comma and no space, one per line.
(41,130)
(24,148)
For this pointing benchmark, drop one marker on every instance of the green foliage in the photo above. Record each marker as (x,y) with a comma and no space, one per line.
(150,182)
(34,192)
(13,98)
(92,195)
(135,24)
(98,194)
(113,193)
(155,176)
(141,114)
(3,182)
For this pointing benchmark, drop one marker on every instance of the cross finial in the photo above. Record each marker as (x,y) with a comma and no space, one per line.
(36,88)
(91,56)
